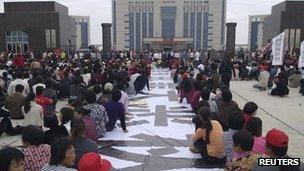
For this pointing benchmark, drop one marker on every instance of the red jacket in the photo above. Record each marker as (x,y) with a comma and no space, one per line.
(19,61)
(43,101)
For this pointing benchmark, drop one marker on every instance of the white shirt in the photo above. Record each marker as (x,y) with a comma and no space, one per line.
(34,116)
(12,86)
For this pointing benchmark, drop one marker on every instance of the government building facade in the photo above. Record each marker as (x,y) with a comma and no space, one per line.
(168,24)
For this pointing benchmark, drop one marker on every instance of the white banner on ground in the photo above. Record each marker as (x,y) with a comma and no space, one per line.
(301,58)
(278,49)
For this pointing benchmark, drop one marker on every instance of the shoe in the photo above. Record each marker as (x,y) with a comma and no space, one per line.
(193,149)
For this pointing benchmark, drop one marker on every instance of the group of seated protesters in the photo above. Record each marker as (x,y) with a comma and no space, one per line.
(224,133)
(97,94)
(65,138)
(281,76)
(76,152)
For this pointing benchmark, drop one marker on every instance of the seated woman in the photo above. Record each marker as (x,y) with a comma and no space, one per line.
(33,113)
(244,159)
(82,144)
(115,111)
(90,126)
(55,131)
(281,82)
(262,79)
(11,159)
(208,139)
(62,156)
(97,113)
(65,117)
(36,153)
(254,126)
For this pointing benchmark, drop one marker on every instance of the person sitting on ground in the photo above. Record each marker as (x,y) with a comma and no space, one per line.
(244,158)
(141,82)
(281,82)
(15,102)
(236,123)
(205,95)
(98,91)
(18,80)
(250,110)
(254,126)
(94,162)
(11,159)
(196,96)
(65,116)
(81,143)
(42,100)
(36,153)
(294,80)
(106,95)
(90,126)
(65,85)
(62,156)
(77,89)
(277,147)
(226,108)
(263,79)
(55,131)
(50,93)
(97,112)
(186,89)
(33,113)
(208,139)
(115,111)
(6,125)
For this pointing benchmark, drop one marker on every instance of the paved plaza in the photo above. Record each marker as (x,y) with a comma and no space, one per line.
(160,127)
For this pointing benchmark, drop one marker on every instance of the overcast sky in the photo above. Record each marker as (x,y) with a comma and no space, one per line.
(100,11)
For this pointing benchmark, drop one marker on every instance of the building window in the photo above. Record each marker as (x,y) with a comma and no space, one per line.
(17,41)
(50,37)
(53,38)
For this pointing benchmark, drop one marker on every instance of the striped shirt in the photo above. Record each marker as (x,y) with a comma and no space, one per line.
(36,157)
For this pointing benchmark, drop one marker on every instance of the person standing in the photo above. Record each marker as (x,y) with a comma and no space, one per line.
(226,69)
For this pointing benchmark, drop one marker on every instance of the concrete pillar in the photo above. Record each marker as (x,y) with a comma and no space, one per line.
(106,37)
(230,39)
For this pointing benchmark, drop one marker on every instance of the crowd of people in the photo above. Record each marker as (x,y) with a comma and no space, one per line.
(224,133)
(97,89)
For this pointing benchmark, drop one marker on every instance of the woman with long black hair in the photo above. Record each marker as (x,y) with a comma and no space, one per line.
(33,113)
(208,138)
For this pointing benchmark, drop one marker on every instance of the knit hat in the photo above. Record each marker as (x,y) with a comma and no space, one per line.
(277,138)
(93,162)
(108,87)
